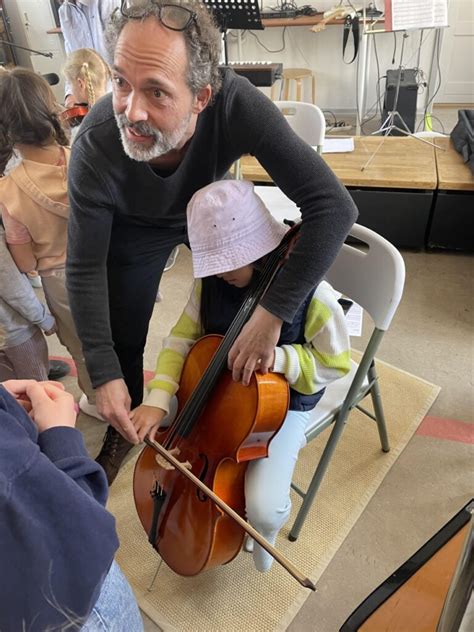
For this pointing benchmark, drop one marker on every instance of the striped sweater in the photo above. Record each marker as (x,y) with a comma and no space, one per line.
(308,367)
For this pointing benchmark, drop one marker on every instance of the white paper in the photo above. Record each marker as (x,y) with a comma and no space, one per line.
(354,320)
(353,316)
(440,13)
(338,145)
(418,14)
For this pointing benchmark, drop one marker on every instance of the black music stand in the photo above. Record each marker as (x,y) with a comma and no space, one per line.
(230,14)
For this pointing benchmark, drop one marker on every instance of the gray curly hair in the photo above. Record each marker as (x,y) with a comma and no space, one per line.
(202,38)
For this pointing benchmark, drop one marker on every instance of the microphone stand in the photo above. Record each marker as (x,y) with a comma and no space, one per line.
(31,50)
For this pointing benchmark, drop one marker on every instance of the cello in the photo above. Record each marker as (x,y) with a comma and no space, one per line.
(194,512)
(73,116)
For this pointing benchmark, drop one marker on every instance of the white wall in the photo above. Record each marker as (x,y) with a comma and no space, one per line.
(29,22)
(322,52)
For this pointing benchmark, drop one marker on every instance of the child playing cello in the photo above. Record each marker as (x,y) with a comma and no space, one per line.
(230,230)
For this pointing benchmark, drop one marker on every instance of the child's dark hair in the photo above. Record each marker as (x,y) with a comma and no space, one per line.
(28,113)
(212,294)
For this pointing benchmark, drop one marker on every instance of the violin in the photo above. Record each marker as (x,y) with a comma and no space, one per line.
(73,116)
(194,512)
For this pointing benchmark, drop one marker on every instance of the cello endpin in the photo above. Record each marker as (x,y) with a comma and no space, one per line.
(150,587)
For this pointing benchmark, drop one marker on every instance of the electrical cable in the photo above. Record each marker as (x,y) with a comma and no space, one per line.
(358,121)
(438,53)
(268,49)
(377,92)
(419,48)
(296,45)
(329,127)
(349,3)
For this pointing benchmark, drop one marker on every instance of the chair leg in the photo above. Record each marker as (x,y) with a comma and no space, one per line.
(299,90)
(378,408)
(314,89)
(274,94)
(237,170)
(318,475)
(286,89)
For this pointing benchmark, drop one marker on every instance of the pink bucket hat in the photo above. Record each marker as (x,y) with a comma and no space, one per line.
(229,227)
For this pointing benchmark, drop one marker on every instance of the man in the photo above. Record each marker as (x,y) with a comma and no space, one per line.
(172,126)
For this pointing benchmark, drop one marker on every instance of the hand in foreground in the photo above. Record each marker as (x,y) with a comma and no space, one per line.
(147,420)
(113,403)
(255,346)
(17,388)
(69,101)
(51,331)
(48,403)
(50,406)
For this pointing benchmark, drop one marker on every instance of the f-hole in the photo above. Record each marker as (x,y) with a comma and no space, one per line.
(200,494)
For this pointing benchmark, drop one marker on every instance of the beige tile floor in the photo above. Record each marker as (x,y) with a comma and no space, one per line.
(431,336)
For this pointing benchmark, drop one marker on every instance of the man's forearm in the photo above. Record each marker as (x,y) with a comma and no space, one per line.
(316,248)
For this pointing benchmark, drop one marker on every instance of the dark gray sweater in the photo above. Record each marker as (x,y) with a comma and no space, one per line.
(105,183)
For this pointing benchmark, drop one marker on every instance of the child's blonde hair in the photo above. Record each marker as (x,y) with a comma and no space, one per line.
(88,65)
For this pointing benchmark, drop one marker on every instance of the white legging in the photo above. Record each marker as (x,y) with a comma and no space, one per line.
(268,481)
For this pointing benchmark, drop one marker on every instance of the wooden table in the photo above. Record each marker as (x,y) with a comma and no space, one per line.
(303,20)
(401,163)
(308,20)
(452,224)
(453,173)
(394,193)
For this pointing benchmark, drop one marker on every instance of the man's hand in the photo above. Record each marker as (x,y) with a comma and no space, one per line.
(113,403)
(69,101)
(255,346)
(147,420)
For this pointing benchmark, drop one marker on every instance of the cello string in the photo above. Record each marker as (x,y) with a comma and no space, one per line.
(215,366)
(213,371)
(201,392)
(195,402)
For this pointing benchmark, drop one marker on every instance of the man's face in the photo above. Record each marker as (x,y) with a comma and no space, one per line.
(155,109)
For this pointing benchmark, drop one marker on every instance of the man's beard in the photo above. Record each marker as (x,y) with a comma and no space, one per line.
(163,142)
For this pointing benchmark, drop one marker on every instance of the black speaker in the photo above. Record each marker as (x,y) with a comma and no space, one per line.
(52,78)
(407,96)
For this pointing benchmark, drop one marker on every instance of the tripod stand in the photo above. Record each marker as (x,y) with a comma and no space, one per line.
(390,122)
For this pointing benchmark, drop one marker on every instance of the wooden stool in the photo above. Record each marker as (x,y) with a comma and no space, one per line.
(297,75)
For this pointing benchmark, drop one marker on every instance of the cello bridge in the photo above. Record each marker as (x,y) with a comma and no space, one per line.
(166,465)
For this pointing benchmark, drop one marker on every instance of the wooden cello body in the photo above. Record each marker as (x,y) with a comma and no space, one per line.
(236,425)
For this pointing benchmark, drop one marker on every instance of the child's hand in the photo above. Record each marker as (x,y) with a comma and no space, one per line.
(50,406)
(147,420)
(47,403)
(51,331)
(17,388)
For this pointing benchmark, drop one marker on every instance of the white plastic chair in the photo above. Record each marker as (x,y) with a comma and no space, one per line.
(306,119)
(374,279)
